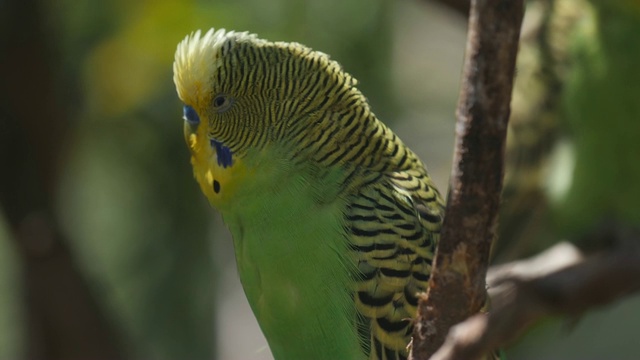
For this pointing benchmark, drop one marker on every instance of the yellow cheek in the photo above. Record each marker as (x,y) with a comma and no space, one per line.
(219,184)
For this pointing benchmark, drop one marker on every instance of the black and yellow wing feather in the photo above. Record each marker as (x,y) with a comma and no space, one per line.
(394,226)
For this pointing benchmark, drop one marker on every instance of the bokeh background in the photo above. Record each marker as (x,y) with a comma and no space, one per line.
(91,136)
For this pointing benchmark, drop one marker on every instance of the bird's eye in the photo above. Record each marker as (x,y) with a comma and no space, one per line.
(190,115)
(222,103)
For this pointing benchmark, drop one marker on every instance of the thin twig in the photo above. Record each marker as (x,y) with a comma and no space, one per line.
(457,287)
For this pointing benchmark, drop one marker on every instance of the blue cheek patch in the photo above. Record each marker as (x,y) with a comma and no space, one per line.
(190,115)
(223,153)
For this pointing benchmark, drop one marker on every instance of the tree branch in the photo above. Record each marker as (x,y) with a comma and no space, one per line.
(457,286)
(559,281)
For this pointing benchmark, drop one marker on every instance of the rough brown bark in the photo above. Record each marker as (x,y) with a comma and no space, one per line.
(559,282)
(63,320)
(457,287)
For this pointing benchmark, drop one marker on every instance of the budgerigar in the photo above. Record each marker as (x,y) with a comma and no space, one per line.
(334,220)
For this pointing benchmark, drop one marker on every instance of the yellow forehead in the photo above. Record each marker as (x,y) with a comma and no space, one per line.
(197,59)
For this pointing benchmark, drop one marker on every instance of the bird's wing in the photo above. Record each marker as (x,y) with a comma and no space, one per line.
(394,226)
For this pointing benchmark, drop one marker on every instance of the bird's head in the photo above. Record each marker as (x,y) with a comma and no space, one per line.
(244,96)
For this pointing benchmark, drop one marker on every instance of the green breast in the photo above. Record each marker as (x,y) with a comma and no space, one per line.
(292,255)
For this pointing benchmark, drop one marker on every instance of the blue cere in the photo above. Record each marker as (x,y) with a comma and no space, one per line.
(223,153)
(190,115)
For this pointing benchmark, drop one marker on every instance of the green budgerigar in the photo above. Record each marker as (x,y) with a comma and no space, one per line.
(334,220)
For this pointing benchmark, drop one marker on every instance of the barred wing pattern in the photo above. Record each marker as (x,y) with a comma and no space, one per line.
(394,225)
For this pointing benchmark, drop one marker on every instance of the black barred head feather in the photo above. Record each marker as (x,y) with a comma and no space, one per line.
(197,59)
(267,89)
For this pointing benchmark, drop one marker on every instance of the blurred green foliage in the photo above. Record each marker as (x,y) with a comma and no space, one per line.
(572,166)
(136,219)
(11,327)
(589,185)
(142,231)
(602,110)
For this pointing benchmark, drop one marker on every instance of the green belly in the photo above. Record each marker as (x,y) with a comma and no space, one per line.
(295,268)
